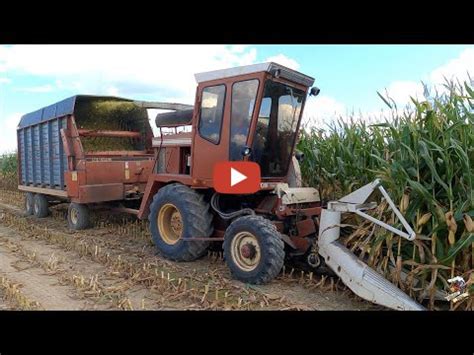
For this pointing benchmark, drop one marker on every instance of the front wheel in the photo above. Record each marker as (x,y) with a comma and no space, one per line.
(253,250)
(178,213)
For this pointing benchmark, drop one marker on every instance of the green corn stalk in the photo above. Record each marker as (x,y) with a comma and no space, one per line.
(426,153)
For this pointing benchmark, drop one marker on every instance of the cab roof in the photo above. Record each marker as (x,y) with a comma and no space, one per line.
(269,67)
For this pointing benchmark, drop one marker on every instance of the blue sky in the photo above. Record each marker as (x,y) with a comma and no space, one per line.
(348,75)
(353,73)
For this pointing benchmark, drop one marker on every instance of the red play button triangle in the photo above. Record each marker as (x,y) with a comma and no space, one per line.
(236,177)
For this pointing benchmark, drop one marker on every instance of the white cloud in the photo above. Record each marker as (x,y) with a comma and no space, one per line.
(238,48)
(8,132)
(5,80)
(325,110)
(401,91)
(456,68)
(130,69)
(375,116)
(322,110)
(112,90)
(38,89)
(284,60)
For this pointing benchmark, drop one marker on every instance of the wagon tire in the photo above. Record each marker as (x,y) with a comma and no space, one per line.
(253,250)
(176,214)
(40,206)
(78,216)
(29,203)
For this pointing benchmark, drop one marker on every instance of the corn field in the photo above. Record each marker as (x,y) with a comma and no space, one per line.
(8,171)
(424,157)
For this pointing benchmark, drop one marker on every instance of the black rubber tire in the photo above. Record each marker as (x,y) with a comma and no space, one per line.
(271,245)
(29,203)
(196,219)
(83,216)
(40,206)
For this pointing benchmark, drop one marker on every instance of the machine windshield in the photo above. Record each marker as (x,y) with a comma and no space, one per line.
(276,128)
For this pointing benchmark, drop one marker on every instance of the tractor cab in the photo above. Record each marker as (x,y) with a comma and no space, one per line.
(248,113)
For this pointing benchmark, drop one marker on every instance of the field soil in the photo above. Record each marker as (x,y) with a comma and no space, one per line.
(114,265)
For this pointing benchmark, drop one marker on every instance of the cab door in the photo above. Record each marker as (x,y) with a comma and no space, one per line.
(211,131)
(221,106)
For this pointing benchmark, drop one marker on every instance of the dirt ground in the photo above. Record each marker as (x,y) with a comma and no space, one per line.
(43,265)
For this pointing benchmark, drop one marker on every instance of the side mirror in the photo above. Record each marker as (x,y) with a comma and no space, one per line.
(299,156)
(246,151)
(314,91)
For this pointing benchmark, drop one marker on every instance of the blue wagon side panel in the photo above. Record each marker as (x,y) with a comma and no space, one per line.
(62,154)
(21,147)
(36,155)
(43,161)
(29,154)
(46,155)
(55,141)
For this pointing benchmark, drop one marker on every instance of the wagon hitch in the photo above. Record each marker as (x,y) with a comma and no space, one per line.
(358,276)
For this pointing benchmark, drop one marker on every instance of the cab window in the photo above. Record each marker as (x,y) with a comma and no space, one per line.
(243,103)
(212,110)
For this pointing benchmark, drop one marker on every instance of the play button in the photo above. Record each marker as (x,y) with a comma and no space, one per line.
(236,177)
(233,177)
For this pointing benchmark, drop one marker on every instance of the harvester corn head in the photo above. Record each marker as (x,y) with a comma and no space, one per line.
(358,276)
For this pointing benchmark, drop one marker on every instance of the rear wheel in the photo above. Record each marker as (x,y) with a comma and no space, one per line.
(29,203)
(176,214)
(40,206)
(253,250)
(78,216)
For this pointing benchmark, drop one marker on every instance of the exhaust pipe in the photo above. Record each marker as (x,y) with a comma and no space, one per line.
(358,276)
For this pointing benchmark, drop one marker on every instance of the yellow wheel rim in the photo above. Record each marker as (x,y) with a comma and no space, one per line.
(74,216)
(245,251)
(170,224)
